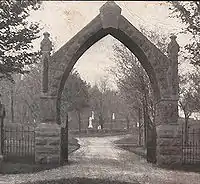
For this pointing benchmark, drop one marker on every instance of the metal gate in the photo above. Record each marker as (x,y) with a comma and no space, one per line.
(64,142)
(191,148)
(19,143)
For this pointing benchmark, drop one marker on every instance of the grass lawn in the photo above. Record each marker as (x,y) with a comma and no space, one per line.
(81,181)
(24,165)
(130,144)
(19,168)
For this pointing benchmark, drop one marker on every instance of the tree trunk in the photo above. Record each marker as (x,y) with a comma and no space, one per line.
(111,123)
(145,124)
(139,121)
(64,142)
(79,120)
(127,123)
(146,120)
(151,141)
(66,137)
(12,104)
(186,129)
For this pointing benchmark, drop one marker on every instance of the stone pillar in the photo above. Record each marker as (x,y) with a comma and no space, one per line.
(48,132)
(168,134)
(173,82)
(46,47)
(168,130)
(47,143)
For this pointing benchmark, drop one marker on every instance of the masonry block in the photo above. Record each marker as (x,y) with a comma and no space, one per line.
(47,144)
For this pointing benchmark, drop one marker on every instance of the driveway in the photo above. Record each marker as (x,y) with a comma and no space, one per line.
(98,157)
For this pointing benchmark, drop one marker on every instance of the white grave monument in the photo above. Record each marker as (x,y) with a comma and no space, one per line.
(90,123)
(92,115)
(113,116)
(99,127)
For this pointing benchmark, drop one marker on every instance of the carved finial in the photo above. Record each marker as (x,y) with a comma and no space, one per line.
(46,44)
(111,6)
(110,13)
(173,47)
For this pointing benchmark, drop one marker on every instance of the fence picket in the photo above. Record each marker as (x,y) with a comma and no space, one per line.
(19,143)
(191,149)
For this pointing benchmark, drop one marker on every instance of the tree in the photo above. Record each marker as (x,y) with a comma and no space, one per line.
(132,79)
(189,94)
(133,83)
(16,36)
(189,13)
(97,102)
(75,95)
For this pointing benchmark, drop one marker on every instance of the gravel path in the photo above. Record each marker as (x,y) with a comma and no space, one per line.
(98,157)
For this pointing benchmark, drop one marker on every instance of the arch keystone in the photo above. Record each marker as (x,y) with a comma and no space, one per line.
(109,14)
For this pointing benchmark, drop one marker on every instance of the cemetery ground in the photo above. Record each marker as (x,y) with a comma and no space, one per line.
(130,143)
(100,160)
(25,165)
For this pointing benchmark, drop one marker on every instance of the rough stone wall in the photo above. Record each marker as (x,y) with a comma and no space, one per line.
(166,112)
(47,143)
(168,145)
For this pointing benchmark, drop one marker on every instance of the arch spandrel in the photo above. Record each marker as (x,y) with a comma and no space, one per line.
(157,60)
(60,61)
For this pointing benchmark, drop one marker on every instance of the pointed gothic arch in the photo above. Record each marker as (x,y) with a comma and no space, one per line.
(162,70)
(151,58)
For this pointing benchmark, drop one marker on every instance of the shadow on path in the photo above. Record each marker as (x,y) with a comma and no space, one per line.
(81,181)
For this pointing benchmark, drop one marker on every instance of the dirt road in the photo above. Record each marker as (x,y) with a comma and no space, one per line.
(98,157)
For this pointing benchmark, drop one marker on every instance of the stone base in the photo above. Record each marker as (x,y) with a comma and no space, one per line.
(168,145)
(47,143)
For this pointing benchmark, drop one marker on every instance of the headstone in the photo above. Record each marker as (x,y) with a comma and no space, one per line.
(113,116)
(90,123)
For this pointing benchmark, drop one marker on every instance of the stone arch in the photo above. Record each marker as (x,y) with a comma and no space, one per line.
(152,59)
(162,72)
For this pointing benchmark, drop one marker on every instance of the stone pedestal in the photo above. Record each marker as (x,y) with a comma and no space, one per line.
(168,133)
(47,143)
(48,133)
(169,145)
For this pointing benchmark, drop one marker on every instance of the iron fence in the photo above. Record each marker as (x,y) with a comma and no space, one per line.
(191,147)
(19,143)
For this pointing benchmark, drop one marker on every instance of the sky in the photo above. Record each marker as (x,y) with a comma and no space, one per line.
(63,19)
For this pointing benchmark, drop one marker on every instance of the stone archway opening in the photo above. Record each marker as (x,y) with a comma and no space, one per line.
(120,36)
(162,72)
